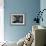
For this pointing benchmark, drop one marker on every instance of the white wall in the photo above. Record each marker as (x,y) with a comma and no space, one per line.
(43,6)
(1,21)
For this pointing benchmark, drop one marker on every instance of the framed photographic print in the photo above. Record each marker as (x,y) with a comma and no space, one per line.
(17,19)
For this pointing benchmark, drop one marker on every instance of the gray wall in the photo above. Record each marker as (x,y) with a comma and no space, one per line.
(26,7)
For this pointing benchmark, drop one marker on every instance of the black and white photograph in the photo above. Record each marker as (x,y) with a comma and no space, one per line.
(17,19)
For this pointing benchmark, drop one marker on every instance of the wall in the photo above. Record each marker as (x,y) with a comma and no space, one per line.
(1,21)
(26,7)
(43,6)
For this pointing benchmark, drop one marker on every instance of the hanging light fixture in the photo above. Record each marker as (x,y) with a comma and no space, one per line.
(39,16)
